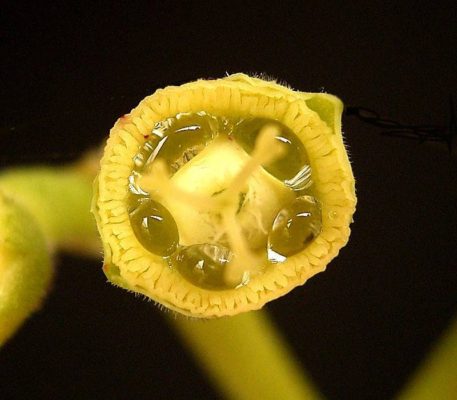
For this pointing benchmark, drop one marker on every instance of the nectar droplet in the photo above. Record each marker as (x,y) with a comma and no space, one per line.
(286,167)
(154,227)
(203,265)
(294,228)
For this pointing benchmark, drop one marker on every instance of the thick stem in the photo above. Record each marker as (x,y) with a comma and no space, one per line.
(246,357)
(59,200)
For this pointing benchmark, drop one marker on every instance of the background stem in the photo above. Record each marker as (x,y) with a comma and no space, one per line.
(246,357)
(59,199)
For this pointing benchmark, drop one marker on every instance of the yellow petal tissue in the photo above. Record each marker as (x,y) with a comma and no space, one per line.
(218,196)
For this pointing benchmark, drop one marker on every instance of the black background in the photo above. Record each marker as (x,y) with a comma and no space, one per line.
(361,327)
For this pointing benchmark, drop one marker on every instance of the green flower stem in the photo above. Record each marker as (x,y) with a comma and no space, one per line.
(25,266)
(59,199)
(437,376)
(246,357)
(41,209)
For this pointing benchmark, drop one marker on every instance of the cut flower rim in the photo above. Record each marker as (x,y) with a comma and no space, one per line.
(129,265)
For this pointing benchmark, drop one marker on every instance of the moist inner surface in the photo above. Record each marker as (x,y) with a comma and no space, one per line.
(218,201)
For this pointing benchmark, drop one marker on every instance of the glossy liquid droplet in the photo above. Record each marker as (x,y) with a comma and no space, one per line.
(204,265)
(186,136)
(294,228)
(286,167)
(177,140)
(154,227)
(301,181)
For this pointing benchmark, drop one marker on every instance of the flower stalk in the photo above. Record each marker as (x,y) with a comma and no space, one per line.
(246,357)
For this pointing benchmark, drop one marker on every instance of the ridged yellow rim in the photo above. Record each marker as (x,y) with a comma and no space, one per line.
(314,118)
